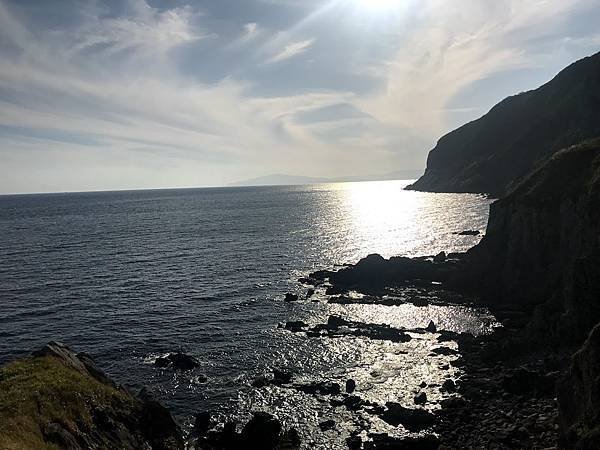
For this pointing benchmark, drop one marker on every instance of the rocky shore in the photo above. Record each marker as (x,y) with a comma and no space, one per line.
(516,388)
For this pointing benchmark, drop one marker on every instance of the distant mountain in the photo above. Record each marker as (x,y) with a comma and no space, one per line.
(284,180)
(495,152)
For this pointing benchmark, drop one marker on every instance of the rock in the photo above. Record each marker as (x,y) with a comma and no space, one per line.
(322,388)
(202,422)
(431,328)
(412,419)
(282,376)
(446,351)
(334,322)
(262,431)
(177,361)
(350,386)
(453,403)
(520,381)
(353,402)
(261,381)
(448,386)
(420,398)
(291,297)
(578,396)
(385,442)
(423,384)
(469,233)
(440,257)
(354,442)
(295,326)
(310,293)
(327,425)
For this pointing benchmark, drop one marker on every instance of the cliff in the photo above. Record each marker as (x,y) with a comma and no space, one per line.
(492,154)
(541,252)
(60,399)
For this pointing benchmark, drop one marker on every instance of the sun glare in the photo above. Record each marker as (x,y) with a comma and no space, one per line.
(377,5)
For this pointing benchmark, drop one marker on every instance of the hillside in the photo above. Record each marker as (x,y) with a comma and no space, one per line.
(492,154)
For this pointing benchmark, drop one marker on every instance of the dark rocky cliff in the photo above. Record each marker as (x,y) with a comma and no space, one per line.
(542,248)
(493,153)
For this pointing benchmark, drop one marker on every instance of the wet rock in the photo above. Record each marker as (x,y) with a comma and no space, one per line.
(353,402)
(431,328)
(334,290)
(446,351)
(289,297)
(385,442)
(327,425)
(337,327)
(261,381)
(310,293)
(350,386)
(420,398)
(282,376)
(354,442)
(447,336)
(440,257)
(296,325)
(322,388)
(448,386)
(468,233)
(453,403)
(262,430)
(334,322)
(202,422)
(412,419)
(423,384)
(177,361)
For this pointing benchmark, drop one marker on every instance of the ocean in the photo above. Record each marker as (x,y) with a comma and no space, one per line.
(130,276)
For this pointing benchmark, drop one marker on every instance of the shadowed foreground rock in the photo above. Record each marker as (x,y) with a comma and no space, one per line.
(579,396)
(60,399)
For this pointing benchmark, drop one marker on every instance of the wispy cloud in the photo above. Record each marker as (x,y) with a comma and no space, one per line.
(291,50)
(128,98)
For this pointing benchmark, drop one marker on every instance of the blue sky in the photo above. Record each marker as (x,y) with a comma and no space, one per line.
(169,93)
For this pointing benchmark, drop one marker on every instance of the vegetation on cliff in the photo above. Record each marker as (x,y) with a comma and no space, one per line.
(58,399)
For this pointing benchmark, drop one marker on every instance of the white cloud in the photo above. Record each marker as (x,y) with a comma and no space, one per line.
(104,104)
(291,50)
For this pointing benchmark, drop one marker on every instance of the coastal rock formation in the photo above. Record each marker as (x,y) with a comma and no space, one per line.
(60,399)
(541,251)
(492,154)
(578,396)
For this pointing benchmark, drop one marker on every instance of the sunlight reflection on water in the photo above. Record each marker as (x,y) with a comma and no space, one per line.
(128,276)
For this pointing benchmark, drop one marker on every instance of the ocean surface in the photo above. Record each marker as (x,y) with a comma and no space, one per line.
(130,276)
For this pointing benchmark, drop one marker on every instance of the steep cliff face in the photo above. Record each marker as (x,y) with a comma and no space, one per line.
(492,154)
(542,248)
(60,399)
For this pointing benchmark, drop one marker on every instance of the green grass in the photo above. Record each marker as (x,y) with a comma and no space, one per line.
(37,391)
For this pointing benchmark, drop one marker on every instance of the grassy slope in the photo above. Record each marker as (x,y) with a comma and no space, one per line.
(37,391)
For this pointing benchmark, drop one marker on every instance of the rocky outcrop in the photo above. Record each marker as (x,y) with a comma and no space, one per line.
(60,399)
(579,396)
(541,252)
(492,154)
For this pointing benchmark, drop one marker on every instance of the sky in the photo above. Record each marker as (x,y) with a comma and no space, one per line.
(130,94)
